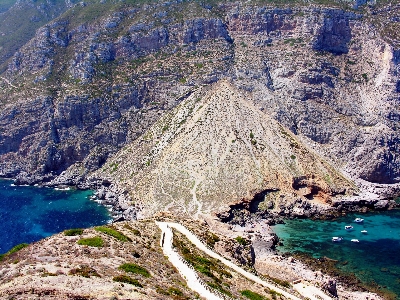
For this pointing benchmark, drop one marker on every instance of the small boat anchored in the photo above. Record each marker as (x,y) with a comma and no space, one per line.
(364,231)
(354,240)
(348,227)
(337,239)
(358,220)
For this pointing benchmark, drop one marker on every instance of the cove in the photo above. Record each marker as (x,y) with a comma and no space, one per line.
(28,214)
(376,258)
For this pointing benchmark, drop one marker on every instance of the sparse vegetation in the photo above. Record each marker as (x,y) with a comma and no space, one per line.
(209,267)
(72,232)
(134,230)
(84,271)
(113,167)
(127,279)
(219,288)
(175,291)
(135,269)
(92,242)
(114,233)
(274,294)
(13,250)
(283,283)
(241,240)
(252,295)
(211,239)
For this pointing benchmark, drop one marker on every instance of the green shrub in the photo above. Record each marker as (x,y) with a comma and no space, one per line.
(92,242)
(292,156)
(134,231)
(219,288)
(365,76)
(274,294)
(114,233)
(279,281)
(134,268)
(241,241)
(161,291)
(175,291)
(13,250)
(71,232)
(84,271)
(205,270)
(127,279)
(252,295)
(17,248)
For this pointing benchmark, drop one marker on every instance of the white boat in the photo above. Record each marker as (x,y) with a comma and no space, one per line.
(358,220)
(337,239)
(348,227)
(364,231)
(354,240)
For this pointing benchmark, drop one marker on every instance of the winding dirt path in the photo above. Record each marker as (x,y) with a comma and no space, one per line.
(188,273)
(167,247)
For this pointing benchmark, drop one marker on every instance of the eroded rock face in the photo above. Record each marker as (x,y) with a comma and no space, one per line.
(335,33)
(80,91)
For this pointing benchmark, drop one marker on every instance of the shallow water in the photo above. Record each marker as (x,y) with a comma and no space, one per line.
(29,214)
(375,258)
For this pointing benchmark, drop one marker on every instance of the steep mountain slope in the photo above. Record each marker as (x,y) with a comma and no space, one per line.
(216,148)
(101,74)
(21,19)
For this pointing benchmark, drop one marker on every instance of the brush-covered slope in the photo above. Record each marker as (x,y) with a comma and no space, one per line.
(214,149)
(121,261)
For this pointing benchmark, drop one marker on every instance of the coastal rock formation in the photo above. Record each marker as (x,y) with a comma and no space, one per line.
(96,79)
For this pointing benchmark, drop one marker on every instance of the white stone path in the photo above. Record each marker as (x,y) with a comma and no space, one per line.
(186,272)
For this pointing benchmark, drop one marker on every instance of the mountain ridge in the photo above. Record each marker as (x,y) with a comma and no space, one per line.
(83,88)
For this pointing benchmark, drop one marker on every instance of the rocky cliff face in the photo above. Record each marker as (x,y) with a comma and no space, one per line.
(99,76)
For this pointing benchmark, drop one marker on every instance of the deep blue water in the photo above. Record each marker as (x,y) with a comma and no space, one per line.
(28,214)
(375,258)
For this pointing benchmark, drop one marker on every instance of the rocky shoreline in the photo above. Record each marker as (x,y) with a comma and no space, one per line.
(255,226)
(374,197)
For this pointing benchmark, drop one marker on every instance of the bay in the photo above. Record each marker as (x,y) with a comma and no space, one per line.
(376,258)
(28,214)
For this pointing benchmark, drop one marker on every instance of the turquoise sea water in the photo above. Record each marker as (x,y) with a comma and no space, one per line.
(28,214)
(375,258)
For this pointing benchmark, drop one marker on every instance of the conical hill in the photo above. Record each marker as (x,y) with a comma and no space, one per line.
(215,149)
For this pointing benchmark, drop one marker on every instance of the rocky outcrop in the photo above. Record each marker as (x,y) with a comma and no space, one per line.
(335,33)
